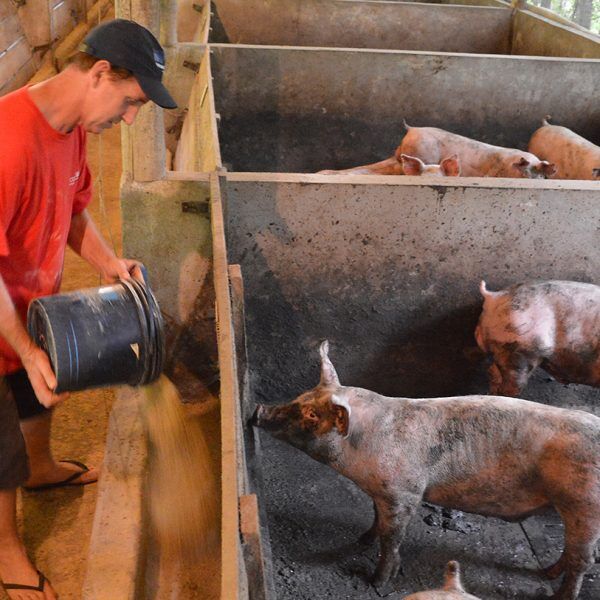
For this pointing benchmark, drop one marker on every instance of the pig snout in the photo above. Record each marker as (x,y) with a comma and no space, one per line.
(275,419)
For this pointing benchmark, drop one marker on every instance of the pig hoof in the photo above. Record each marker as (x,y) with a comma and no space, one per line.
(384,589)
(553,571)
(387,585)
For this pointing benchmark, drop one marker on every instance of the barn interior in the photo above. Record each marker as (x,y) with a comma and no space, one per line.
(255,259)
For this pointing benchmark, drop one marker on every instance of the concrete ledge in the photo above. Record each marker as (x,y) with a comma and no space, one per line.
(116,546)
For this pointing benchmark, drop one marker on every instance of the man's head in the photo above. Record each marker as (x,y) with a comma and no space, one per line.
(124,64)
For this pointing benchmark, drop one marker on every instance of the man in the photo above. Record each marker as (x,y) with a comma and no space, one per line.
(45,186)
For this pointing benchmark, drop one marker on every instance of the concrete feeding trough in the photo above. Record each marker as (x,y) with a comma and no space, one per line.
(437,27)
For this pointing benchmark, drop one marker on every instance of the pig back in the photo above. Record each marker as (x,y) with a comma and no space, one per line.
(573,155)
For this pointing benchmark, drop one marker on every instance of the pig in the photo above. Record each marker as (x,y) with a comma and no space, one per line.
(574,156)
(452,590)
(477,159)
(552,324)
(405,165)
(491,455)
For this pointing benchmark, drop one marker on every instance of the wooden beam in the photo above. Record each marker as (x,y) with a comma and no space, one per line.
(230,536)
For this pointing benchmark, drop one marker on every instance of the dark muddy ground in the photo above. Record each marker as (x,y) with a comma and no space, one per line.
(316,516)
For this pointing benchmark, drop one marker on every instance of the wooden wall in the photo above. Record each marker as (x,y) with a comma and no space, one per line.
(27,30)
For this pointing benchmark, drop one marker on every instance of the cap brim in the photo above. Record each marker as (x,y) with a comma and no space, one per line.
(156,92)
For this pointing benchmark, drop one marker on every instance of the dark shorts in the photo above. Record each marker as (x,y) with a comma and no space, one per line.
(14,467)
(27,403)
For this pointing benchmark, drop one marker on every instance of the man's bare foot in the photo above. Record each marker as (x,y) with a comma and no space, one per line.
(15,567)
(59,473)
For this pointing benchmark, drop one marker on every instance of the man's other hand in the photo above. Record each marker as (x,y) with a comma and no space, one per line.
(41,376)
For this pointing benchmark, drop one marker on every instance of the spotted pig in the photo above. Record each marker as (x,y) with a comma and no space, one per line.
(490,455)
(574,156)
(477,159)
(452,590)
(552,324)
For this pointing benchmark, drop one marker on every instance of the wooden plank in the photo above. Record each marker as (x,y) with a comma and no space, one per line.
(211,148)
(230,542)
(35,21)
(7,9)
(63,18)
(251,440)
(13,59)
(20,79)
(253,547)
(10,32)
(198,147)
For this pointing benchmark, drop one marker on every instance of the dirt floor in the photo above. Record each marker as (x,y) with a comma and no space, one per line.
(57,524)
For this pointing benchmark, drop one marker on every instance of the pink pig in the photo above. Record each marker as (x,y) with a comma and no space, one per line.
(452,590)
(552,324)
(574,156)
(405,165)
(477,159)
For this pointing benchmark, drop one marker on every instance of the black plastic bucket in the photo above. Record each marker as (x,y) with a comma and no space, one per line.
(102,336)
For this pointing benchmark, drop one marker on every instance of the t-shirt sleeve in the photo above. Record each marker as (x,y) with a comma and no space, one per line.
(83,195)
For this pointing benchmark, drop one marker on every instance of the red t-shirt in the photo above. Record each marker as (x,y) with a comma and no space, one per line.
(44,180)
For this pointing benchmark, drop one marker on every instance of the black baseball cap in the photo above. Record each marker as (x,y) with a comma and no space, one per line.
(128,45)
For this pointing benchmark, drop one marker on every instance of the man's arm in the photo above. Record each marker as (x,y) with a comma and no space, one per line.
(34,359)
(88,242)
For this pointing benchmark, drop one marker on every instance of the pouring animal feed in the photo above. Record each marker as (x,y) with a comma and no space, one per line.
(182,491)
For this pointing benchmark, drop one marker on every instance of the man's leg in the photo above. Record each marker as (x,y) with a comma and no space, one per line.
(44,469)
(15,566)
(36,425)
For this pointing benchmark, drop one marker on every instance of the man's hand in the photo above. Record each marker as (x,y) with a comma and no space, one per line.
(121,268)
(41,376)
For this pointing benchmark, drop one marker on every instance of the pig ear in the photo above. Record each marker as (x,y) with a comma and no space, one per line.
(328,374)
(342,412)
(522,165)
(411,165)
(548,169)
(450,166)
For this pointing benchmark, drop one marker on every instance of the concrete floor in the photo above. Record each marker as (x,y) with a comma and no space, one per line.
(56,525)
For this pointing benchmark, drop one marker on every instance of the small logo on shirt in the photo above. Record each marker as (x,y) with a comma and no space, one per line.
(75,178)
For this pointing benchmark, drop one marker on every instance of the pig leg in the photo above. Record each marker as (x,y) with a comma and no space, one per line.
(581,536)
(394,515)
(369,536)
(555,570)
(495,378)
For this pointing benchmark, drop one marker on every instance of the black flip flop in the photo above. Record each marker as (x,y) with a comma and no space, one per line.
(32,588)
(69,481)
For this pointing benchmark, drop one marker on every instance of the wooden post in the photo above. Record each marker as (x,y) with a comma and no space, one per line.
(168,23)
(144,156)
